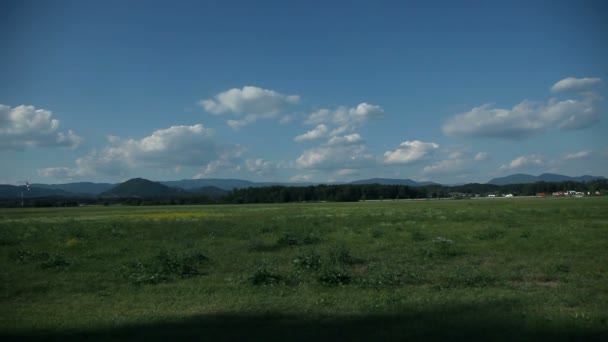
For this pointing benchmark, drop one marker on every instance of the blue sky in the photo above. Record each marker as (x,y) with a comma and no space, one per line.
(321,91)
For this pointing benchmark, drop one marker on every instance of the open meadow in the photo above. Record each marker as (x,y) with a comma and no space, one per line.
(508,269)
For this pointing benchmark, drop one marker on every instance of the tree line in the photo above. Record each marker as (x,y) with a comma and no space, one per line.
(362,192)
(326,193)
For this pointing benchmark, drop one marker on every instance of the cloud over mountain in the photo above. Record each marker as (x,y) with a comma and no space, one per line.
(409,152)
(168,148)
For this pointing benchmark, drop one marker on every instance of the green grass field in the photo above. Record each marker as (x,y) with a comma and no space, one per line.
(504,269)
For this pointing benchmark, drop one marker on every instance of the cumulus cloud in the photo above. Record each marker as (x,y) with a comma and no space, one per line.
(529,118)
(577,155)
(26,126)
(346,117)
(576,84)
(336,156)
(217,167)
(259,166)
(164,149)
(480,156)
(350,139)
(409,152)
(523,120)
(447,166)
(253,102)
(318,132)
(525,161)
(459,161)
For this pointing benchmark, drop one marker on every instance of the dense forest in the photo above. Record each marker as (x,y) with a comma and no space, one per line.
(329,193)
(362,192)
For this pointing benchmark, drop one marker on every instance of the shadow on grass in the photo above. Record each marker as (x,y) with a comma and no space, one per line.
(454,323)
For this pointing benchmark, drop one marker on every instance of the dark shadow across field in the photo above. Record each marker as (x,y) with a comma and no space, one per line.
(495,321)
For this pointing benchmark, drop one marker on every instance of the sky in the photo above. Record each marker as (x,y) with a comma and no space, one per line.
(302,91)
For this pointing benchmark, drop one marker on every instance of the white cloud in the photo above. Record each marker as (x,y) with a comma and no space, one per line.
(216,167)
(480,156)
(58,172)
(337,156)
(318,132)
(459,160)
(409,152)
(237,124)
(26,126)
(165,149)
(260,166)
(346,117)
(448,166)
(351,139)
(577,155)
(529,118)
(254,102)
(525,161)
(346,172)
(523,120)
(576,84)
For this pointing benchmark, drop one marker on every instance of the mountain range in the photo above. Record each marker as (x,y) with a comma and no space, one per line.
(521,178)
(215,187)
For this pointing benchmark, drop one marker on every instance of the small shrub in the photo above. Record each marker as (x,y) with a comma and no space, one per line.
(377,233)
(73,242)
(164,267)
(469,276)
(291,239)
(417,235)
(334,276)
(562,268)
(489,234)
(385,279)
(256,245)
(55,261)
(28,256)
(443,247)
(264,276)
(307,260)
(341,255)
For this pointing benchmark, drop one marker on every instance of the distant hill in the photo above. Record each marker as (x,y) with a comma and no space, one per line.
(224,184)
(12,191)
(209,191)
(83,188)
(139,187)
(521,178)
(389,181)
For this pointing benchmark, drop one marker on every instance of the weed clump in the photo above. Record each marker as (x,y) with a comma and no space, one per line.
(417,235)
(307,260)
(164,267)
(489,234)
(291,239)
(55,261)
(385,279)
(257,245)
(442,247)
(266,277)
(334,276)
(341,255)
